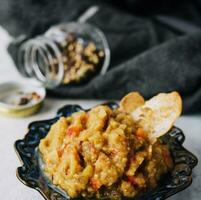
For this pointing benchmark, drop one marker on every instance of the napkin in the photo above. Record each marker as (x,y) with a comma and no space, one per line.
(155,45)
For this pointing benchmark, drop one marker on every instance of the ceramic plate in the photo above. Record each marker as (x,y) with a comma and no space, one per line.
(31,175)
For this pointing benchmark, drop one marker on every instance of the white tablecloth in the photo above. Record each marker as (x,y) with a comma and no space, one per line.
(12,129)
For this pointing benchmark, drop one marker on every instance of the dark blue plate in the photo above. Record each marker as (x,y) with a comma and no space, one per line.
(30,174)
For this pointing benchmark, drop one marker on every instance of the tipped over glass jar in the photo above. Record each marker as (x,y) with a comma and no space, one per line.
(65,54)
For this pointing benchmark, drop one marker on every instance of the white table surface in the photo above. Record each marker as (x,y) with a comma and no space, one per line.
(12,129)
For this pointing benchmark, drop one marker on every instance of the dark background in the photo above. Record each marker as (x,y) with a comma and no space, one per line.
(155,45)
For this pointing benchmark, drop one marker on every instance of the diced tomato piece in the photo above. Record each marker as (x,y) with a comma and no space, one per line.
(141,134)
(95,184)
(73,131)
(60,152)
(84,121)
(137,180)
(132,180)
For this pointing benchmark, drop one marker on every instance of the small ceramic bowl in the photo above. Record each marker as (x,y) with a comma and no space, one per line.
(31,175)
(20,100)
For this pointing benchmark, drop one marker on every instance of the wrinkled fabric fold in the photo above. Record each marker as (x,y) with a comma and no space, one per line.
(155,49)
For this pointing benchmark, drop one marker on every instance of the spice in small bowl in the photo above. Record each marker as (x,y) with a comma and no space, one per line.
(19,100)
(24,98)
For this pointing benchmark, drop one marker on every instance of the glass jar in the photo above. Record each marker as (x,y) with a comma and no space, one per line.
(65,54)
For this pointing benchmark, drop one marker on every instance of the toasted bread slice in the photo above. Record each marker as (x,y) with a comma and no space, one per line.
(131,102)
(158,114)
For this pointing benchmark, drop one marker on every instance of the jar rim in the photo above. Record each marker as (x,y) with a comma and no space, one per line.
(37,46)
